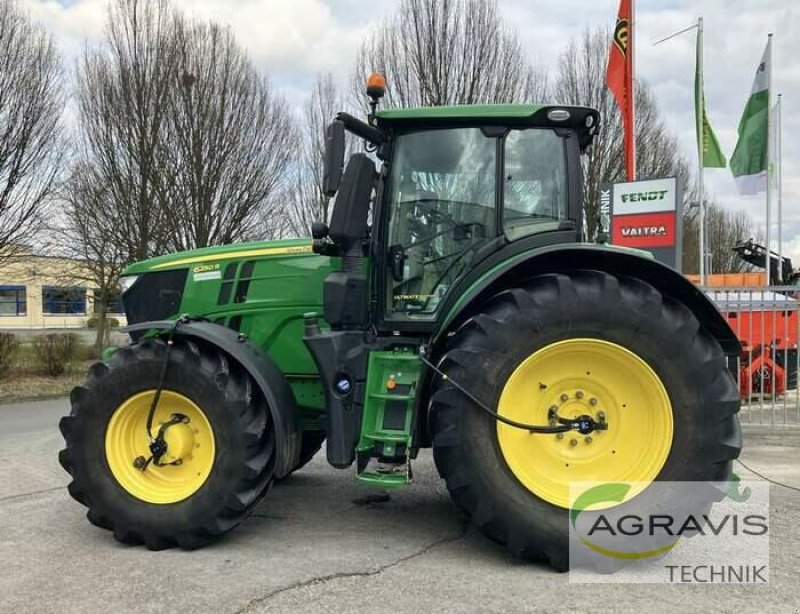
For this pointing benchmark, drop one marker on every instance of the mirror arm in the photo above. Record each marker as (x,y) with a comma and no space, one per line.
(362,129)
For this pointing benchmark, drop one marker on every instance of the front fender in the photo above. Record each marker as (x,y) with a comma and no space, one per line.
(609,259)
(270,380)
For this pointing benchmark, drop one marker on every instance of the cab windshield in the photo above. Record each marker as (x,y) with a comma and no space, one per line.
(444,194)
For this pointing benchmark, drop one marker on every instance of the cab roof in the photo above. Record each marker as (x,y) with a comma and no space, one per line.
(517,115)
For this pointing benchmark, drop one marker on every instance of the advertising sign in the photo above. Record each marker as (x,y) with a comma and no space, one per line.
(645,215)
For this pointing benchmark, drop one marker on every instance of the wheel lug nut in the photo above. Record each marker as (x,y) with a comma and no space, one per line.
(592,401)
(573,442)
(587,439)
(579,394)
(564,397)
(559,435)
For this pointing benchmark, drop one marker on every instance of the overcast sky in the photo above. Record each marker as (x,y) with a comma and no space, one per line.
(293,40)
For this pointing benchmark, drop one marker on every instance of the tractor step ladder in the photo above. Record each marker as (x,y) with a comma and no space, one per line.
(387,420)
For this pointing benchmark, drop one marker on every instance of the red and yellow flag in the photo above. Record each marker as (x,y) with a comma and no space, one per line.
(619,78)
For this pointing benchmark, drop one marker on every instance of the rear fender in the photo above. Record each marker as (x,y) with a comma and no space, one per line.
(612,260)
(267,376)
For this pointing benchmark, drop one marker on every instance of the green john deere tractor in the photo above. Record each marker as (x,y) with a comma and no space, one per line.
(449,303)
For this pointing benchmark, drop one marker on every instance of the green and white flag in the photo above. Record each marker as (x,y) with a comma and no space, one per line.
(707,144)
(750,159)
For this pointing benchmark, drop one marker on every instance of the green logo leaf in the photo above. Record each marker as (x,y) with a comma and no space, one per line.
(598,494)
(734,494)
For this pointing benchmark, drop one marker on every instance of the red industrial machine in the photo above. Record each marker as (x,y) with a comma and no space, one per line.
(767,325)
(762,376)
(765,319)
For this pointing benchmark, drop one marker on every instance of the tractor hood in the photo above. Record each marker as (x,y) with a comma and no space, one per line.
(260,289)
(219,254)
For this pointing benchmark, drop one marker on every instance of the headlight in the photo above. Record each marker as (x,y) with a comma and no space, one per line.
(126,282)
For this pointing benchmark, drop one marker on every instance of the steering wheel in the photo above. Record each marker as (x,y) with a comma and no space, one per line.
(442,217)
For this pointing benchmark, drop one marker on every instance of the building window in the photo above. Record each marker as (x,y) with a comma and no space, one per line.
(63,301)
(13,301)
(113,302)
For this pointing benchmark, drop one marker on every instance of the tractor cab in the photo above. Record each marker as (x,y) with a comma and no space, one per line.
(453,194)
(455,185)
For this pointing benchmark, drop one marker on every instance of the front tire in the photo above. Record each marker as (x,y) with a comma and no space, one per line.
(223,455)
(522,502)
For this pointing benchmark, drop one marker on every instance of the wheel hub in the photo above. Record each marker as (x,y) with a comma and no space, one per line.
(582,409)
(620,410)
(583,423)
(184,451)
(179,440)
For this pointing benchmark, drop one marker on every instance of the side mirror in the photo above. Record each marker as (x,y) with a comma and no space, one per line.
(349,220)
(334,158)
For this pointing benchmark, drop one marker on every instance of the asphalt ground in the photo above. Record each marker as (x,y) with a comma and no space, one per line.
(313,545)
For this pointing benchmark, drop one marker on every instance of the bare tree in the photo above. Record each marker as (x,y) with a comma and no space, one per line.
(87,228)
(190,141)
(123,92)
(30,109)
(724,230)
(307,200)
(581,80)
(228,142)
(439,52)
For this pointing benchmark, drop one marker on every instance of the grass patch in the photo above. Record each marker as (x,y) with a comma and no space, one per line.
(25,378)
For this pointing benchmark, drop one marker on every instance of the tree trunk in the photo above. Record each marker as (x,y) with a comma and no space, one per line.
(102,338)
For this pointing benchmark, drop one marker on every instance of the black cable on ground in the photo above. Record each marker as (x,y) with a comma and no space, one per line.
(763,477)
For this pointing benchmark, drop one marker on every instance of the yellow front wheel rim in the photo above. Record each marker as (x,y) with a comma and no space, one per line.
(189,444)
(585,377)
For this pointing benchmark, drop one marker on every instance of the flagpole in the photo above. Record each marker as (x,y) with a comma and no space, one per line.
(779,178)
(704,263)
(769,147)
(700,150)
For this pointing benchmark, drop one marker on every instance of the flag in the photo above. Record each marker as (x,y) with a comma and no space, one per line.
(707,145)
(619,78)
(750,159)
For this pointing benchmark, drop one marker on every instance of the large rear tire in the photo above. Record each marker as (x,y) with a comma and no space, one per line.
(582,341)
(222,455)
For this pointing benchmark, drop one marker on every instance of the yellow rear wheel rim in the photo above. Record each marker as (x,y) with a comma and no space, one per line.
(585,377)
(191,444)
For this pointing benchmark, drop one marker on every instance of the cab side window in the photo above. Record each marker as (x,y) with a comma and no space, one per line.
(442,208)
(534,179)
